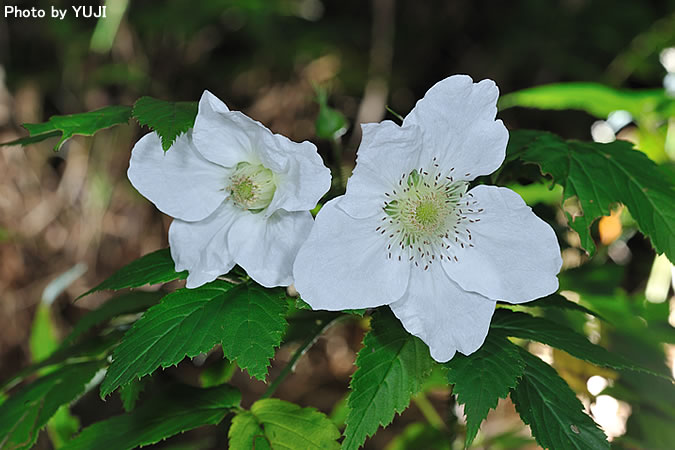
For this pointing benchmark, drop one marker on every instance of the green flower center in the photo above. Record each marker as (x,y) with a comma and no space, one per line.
(428,217)
(428,213)
(252,186)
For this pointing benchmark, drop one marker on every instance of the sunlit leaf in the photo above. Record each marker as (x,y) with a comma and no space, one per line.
(558,301)
(594,98)
(85,124)
(276,424)
(601,175)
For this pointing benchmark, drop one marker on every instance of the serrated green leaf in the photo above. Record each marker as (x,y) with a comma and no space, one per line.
(248,321)
(547,404)
(85,124)
(392,365)
(130,303)
(153,268)
(256,323)
(273,423)
(26,412)
(179,409)
(484,377)
(525,326)
(594,98)
(168,119)
(558,301)
(600,175)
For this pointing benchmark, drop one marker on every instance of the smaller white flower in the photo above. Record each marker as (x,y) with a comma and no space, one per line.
(409,233)
(239,194)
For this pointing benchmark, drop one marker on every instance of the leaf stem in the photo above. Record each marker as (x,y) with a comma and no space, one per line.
(307,343)
(429,412)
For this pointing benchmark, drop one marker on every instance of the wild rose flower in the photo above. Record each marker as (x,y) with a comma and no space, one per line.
(409,233)
(239,194)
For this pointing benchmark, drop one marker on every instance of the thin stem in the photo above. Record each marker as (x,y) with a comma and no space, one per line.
(290,367)
(394,113)
(429,412)
(336,147)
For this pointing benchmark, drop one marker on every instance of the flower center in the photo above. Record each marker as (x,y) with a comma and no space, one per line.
(428,217)
(428,213)
(251,186)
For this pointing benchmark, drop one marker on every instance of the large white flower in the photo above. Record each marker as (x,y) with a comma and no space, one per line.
(239,194)
(409,233)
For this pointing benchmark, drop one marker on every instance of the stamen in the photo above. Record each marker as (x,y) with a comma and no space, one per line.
(424,218)
(251,186)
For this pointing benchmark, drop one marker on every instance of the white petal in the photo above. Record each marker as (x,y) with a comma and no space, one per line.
(445,316)
(225,137)
(304,178)
(201,247)
(266,247)
(180,182)
(516,256)
(344,264)
(457,119)
(386,153)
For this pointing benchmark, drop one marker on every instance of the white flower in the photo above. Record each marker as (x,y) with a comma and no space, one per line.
(409,234)
(239,194)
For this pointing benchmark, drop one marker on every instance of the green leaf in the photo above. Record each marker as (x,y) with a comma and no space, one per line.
(330,124)
(248,321)
(26,412)
(62,427)
(273,423)
(130,303)
(179,409)
(31,139)
(168,119)
(217,372)
(558,301)
(484,377)
(85,124)
(92,348)
(129,393)
(44,338)
(525,326)
(600,175)
(551,409)
(594,98)
(419,435)
(153,268)
(392,365)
